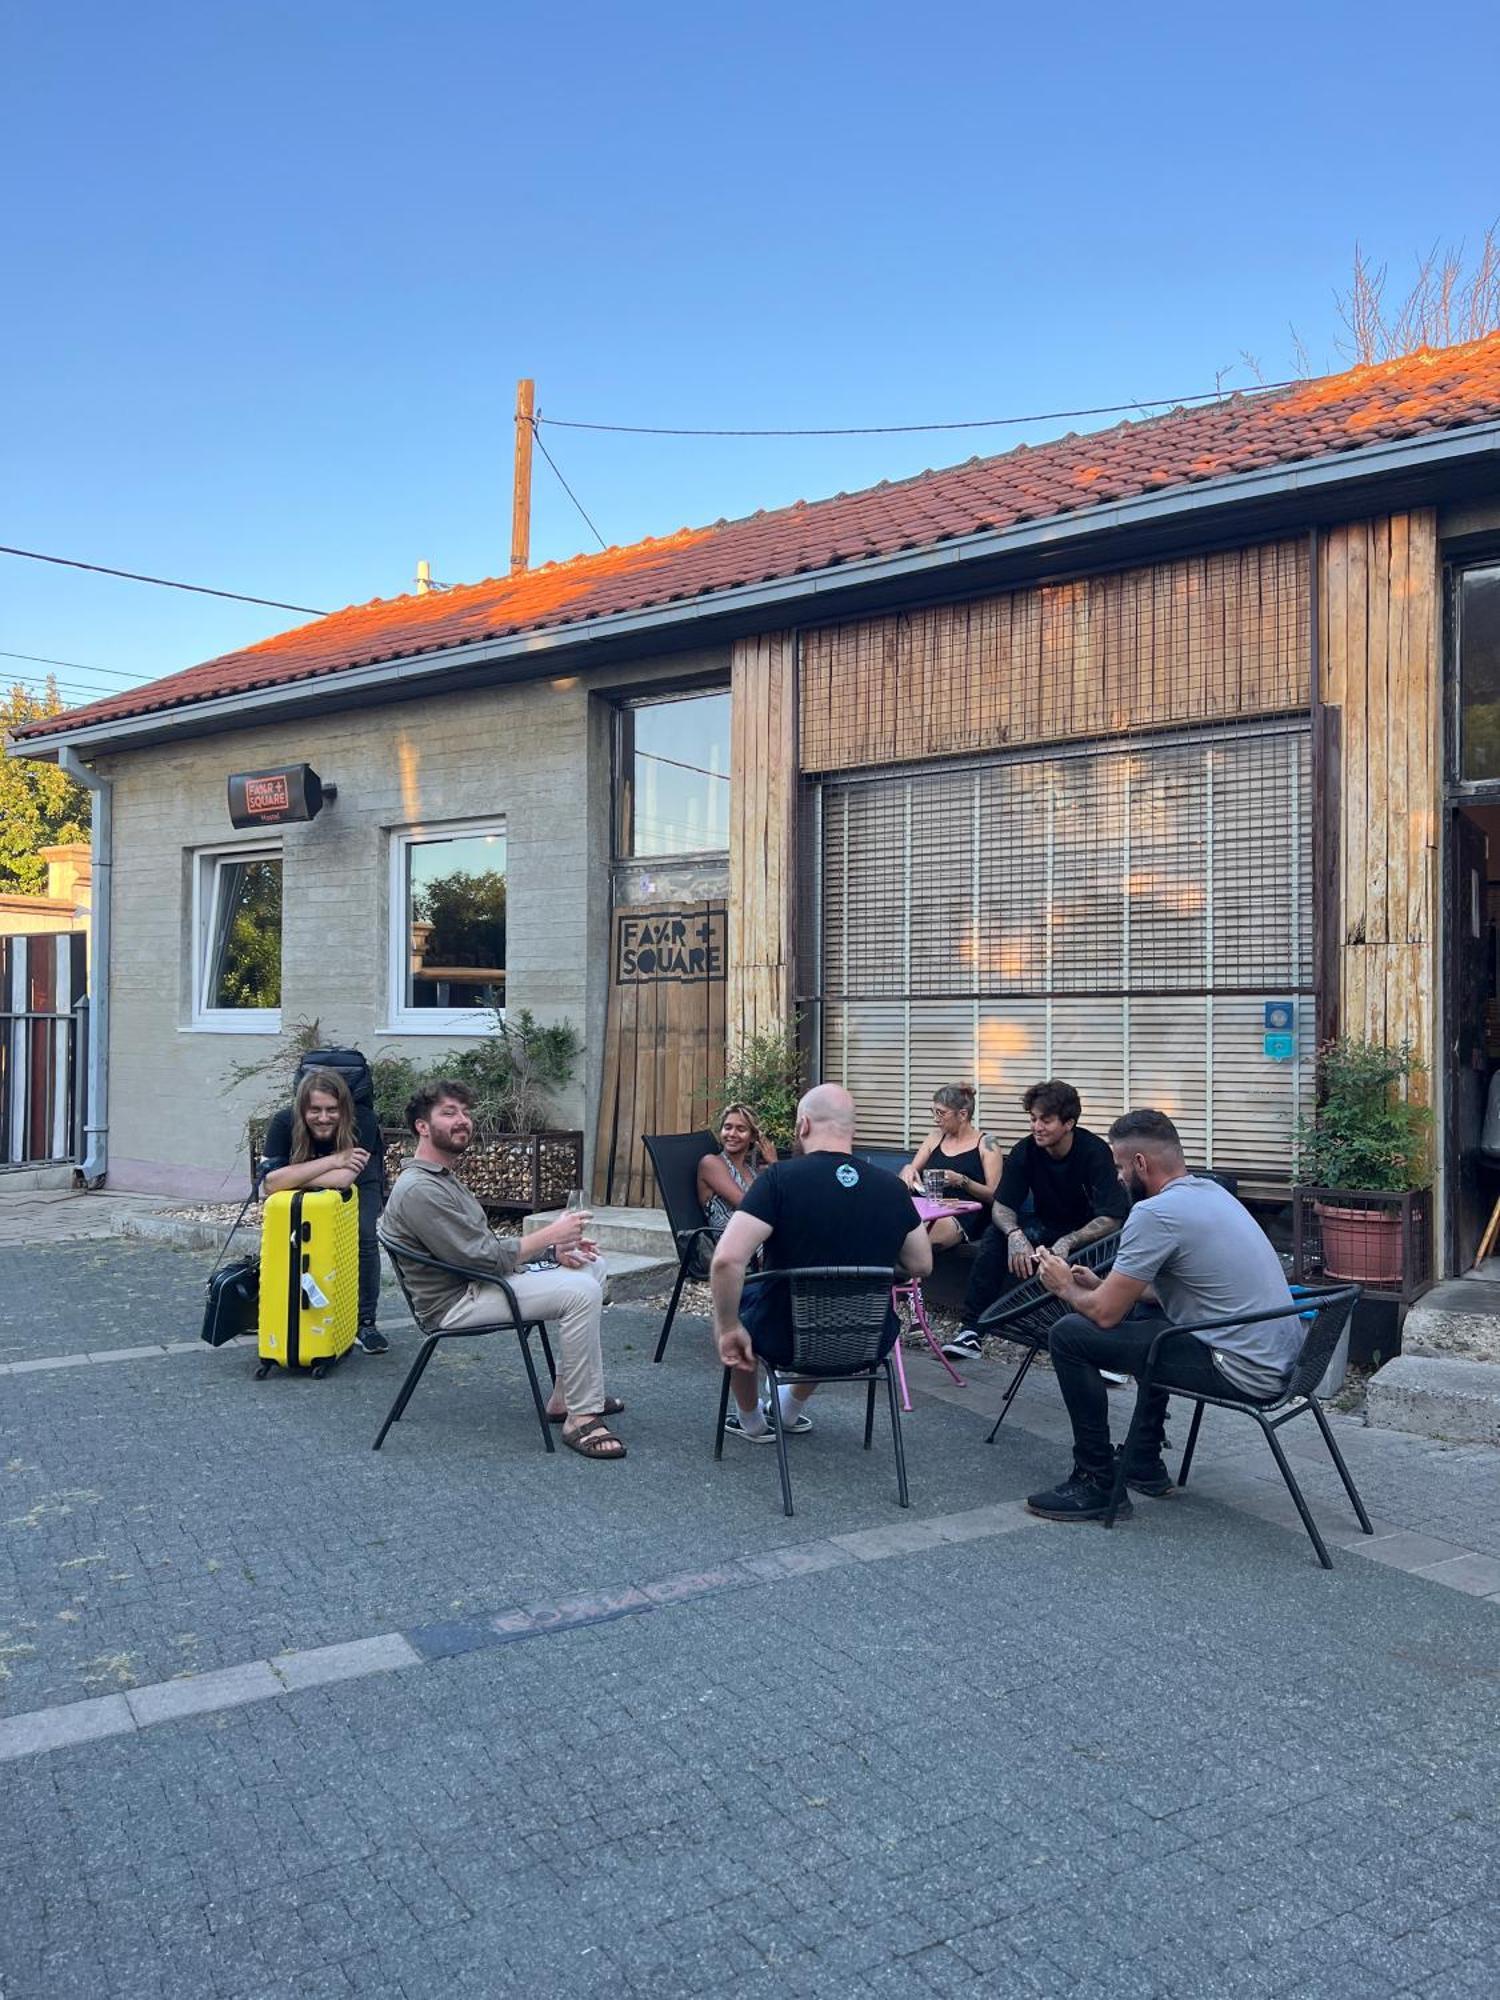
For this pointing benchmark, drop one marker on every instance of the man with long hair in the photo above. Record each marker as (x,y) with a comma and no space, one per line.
(323,1139)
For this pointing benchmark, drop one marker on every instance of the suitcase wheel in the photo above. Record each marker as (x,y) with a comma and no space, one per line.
(320,1369)
(263,1371)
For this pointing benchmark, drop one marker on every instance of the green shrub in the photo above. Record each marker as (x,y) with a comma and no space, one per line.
(1368,1135)
(765,1072)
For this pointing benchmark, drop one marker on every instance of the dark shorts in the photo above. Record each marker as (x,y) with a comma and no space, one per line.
(763,1316)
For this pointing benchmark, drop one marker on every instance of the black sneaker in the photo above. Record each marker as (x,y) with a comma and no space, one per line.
(1149,1476)
(1079,1498)
(966,1345)
(369,1339)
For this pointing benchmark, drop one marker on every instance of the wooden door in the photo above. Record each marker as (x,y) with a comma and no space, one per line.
(664,1040)
(1470,1189)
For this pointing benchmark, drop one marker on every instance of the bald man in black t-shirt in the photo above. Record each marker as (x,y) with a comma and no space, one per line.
(821,1207)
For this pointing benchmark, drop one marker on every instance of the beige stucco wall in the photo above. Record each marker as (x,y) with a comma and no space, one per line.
(539,754)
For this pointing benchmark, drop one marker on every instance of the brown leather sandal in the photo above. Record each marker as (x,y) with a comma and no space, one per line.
(612,1408)
(593,1439)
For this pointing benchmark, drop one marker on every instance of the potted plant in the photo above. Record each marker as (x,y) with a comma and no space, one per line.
(765,1072)
(1366,1145)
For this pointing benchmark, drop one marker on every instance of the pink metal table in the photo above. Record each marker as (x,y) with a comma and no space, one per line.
(929,1211)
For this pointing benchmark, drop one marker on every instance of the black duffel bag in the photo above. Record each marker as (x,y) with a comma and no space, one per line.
(349,1064)
(232,1304)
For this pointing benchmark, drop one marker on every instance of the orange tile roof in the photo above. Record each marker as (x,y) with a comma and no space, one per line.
(1429,392)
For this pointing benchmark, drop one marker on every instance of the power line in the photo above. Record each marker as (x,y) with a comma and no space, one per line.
(169,583)
(41,660)
(563,482)
(895,430)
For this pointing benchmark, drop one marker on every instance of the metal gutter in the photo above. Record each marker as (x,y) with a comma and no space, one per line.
(101,840)
(813,592)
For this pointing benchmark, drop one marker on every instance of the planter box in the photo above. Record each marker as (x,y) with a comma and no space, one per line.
(1328,1225)
(515,1173)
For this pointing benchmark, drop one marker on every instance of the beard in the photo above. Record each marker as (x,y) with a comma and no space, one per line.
(1135,1187)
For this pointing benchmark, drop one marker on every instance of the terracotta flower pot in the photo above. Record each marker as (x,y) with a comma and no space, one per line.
(1361,1244)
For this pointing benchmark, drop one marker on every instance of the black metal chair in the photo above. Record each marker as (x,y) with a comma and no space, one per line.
(1028,1314)
(840,1315)
(674,1160)
(1329,1314)
(522,1325)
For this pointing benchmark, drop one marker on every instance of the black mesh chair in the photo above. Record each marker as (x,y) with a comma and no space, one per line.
(840,1316)
(674,1160)
(522,1326)
(1327,1314)
(1028,1314)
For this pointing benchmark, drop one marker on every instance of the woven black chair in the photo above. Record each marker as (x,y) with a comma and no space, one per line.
(1327,1314)
(840,1316)
(519,1323)
(674,1160)
(1028,1314)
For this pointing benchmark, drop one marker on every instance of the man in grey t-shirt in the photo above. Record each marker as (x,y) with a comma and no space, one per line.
(1204,1257)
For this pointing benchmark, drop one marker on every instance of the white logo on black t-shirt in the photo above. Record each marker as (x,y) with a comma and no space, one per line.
(847,1176)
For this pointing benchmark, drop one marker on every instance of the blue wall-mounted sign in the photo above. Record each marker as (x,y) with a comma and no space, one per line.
(1280,1048)
(1281,1017)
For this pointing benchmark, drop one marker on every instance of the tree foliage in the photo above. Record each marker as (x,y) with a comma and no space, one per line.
(40,805)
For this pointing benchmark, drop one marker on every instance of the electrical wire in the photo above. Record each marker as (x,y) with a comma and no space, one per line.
(563,482)
(164,582)
(79,667)
(899,430)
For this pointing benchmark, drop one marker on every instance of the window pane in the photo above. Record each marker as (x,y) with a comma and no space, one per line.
(245,944)
(679,774)
(455,902)
(1479,672)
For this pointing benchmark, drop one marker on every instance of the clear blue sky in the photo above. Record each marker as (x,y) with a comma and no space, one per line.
(271,271)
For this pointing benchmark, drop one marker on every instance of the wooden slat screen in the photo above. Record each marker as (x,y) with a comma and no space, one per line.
(1199,640)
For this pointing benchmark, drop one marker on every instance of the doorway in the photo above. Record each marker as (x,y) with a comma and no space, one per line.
(1472,1041)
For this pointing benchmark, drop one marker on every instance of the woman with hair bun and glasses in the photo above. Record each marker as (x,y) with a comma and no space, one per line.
(969,1161)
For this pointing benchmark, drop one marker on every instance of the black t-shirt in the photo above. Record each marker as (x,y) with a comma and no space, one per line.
(277,1149)
(1065,1193)
(827,1208)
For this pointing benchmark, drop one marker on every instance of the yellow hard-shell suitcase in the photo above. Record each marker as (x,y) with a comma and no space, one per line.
(309,1278)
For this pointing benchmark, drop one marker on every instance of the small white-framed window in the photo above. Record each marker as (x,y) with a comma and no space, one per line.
(237,940)
(447,966)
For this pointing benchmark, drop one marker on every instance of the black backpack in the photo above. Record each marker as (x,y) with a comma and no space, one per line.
(347,1063)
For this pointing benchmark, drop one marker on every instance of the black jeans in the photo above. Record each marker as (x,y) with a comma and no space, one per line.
(990,1276)
(1079,1349)
(369,1254)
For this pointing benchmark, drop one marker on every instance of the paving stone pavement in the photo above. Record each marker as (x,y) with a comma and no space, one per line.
(1177,1759)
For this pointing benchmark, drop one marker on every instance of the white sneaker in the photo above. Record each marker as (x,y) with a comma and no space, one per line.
(966,1345)
(735,1429)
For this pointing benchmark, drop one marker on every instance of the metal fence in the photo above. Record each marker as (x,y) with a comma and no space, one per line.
(43,1049)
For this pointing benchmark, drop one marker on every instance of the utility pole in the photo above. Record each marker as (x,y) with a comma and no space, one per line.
(520,503)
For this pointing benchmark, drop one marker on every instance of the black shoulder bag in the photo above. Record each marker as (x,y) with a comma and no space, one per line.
(232,1305)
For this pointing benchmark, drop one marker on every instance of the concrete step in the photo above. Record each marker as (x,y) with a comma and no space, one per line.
(643,1232)
(1459,1318)
(1437,1396)
(633,1277)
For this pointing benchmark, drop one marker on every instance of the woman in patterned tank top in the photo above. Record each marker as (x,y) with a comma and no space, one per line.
(724,1177)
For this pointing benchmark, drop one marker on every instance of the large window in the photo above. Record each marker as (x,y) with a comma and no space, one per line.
(674,776)
(1478,603)
(237,940)
(448,927)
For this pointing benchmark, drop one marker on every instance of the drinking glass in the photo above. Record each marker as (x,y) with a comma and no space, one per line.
(574,1200)
(935,1184)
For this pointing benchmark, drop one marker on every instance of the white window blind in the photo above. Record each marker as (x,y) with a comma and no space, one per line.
(1115,916)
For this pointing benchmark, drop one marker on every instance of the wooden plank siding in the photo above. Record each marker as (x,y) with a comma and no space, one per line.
(1202,639)
(1380,650)
(762,833)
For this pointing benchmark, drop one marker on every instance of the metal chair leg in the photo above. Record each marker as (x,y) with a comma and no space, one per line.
(682,1271)
(1010,1395)
(1192,1445)
(403,1394)
(786,1473)
(870,1412)
(1295,1490)
(1117,1491)
(723,1413)
(897,1440)
(541,1328)
(1339,1466)
(523,1334)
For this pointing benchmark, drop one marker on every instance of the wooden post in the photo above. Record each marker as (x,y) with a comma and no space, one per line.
(520,502)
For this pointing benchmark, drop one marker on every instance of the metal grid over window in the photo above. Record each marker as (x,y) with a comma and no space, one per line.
(1120,917)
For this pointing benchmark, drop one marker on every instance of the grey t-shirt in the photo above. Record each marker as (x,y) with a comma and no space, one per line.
(1208,1258)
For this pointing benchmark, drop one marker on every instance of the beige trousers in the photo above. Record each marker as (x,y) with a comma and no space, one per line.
(574,1301)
